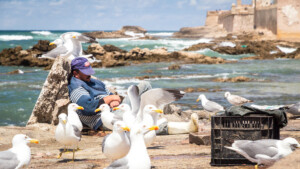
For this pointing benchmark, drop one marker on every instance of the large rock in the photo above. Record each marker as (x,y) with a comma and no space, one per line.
(135,29)
(54,96)
(201,32)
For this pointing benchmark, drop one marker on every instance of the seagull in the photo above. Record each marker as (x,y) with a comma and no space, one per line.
(69,45)
(265,151)
(137,156)
(73,117)
(128,117)
(67,134)
(64,50)
(293,109)
(150,119)
(209,105)
(19,155)
(116,145)
(107,117)
(157,97)
(184,127)
(235,99)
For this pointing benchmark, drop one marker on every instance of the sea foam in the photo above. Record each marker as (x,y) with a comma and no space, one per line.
(14,37)
(41,32)
(229,44)
(286,50)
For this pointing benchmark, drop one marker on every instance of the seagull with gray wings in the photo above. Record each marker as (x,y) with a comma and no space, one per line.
(19,155)
(265,151)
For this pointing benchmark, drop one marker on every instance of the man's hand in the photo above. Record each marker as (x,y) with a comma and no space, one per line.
(114,104)
(110,98)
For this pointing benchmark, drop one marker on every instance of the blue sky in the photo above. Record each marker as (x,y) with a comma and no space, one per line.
(106,14)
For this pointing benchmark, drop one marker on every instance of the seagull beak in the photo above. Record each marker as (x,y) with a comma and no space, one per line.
(159,111)
(34,141)
(125,128)
(115,108)
(51,43)
(97,110)
(80,108)
(64,121)
(74,37)
(154,128)
(197,100)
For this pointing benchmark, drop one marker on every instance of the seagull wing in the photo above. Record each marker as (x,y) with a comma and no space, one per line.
(77,132)
(266,147)
(55,52)
(8,159)
(213,106)
(160,97)
(134,97)
(103,143)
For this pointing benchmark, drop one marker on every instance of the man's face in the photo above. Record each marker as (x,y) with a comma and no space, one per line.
(79,75)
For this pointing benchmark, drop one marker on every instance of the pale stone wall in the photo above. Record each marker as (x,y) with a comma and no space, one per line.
(288,19)
(263,3)
(243,22)
(266,18)
(226,20)
(212,18)
(236,22)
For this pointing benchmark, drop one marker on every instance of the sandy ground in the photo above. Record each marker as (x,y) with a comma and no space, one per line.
(172,151)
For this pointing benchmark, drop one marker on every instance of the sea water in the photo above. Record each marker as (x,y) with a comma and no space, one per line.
(276,82)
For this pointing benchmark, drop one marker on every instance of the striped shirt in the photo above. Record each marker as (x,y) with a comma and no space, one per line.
(88,95)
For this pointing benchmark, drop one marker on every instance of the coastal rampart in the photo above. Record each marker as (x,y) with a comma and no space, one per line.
(266,18)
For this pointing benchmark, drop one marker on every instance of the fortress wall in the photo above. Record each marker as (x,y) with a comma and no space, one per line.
(288,19)
(266,18)
(243,22)
(211,18)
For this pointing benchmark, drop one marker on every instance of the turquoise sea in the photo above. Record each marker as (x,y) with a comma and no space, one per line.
(276,82)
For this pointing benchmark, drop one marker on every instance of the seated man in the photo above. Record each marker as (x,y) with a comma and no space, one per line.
(91,93)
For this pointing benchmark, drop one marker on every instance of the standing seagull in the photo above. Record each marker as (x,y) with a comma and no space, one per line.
(19,155)
(108,118)
(67,134)
(266,151)
(137,157)
(209,105)
(235,99)
(73,117)
(116,145)
(150,119)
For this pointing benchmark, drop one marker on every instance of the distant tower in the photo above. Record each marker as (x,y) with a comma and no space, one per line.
(238,2)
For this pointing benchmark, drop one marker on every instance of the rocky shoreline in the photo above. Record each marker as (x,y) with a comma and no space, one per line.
(112,56)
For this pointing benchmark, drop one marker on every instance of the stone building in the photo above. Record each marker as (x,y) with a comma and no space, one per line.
(281,17)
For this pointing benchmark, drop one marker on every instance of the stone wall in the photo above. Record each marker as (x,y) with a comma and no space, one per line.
(266,18)
(226,19)
(236,22)
(211,18)
(288,19)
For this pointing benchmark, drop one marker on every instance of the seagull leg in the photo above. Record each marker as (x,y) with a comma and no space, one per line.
(73,154)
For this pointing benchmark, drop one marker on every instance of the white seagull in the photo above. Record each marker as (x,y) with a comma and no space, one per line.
(265,151)
(209,105)
(128,117)
(19,155)
(235,99)
(67,134)
(116,145)
(107,117)
(137,157)
(73,117)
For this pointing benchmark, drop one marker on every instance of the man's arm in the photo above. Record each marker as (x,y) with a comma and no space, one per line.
(82,97)
(112,100)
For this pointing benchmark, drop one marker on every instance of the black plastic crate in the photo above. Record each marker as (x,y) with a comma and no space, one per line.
(226,129)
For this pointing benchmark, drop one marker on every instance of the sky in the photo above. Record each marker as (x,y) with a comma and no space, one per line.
(106,14)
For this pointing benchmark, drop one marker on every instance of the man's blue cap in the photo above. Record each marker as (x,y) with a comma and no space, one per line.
(83,65)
